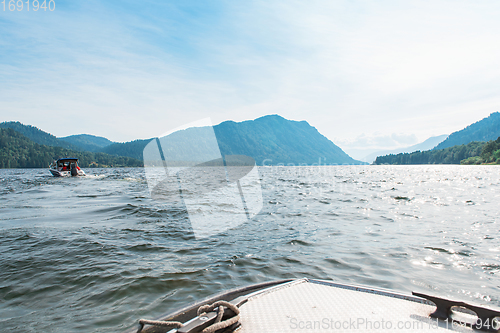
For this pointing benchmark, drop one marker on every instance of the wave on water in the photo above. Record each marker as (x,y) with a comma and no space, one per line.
(96,253)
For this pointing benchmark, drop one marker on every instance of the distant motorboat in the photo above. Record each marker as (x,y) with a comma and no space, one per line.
(66,167)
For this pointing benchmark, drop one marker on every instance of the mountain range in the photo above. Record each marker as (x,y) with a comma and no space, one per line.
(484,130)
(270,140)
(18,151)
(88,142)
(475,143)
(425,145)
(37,135)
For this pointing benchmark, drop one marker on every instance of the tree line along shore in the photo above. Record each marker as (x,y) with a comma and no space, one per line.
(17,151)
(474,153)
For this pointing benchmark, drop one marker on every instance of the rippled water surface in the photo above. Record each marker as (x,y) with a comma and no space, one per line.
(95,254)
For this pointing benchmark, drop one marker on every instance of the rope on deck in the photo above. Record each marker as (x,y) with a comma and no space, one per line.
(217,325)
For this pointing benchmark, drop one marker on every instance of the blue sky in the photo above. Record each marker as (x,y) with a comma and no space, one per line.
(379,74)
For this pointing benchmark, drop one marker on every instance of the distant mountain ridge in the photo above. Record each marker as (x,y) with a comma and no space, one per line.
(18,151)
(484,130)
(270,140)
(81,142)
(87,142)
(457,147)
(273,140)
(37,135)
(425,145)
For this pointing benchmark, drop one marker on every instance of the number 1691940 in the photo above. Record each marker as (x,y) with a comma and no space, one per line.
(33,5)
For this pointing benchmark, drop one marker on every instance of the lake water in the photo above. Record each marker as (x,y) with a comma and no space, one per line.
(95,254)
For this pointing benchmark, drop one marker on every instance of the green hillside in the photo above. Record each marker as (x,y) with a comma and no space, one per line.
(489,155)
(17,151)
(484,130)
(37,135)
(472,153)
